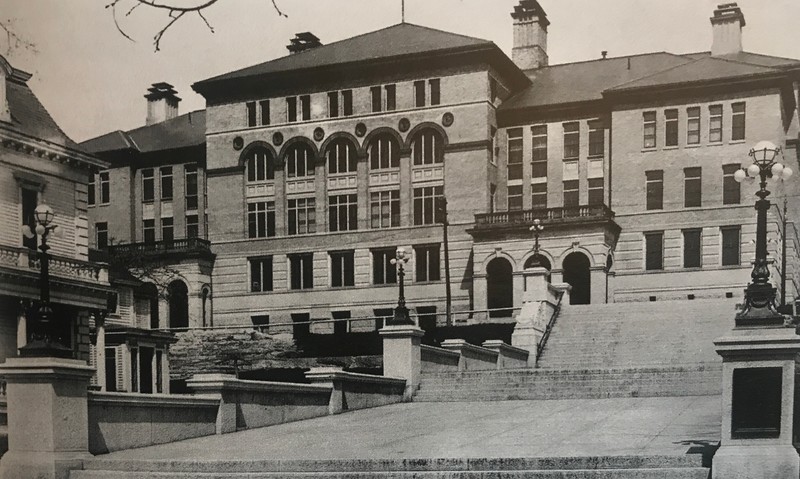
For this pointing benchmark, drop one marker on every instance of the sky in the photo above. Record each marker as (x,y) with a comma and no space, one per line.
(92,79)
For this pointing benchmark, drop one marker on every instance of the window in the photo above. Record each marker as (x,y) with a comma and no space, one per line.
(300,161)
(654,251)
(571,193)
(692,187)
(435,91)
(251,113)
(391,97)
(738,122)
(149,230)
(715,123)
(692,248)
(596,191)
(347,102)
(427,148)
(383,271)
(101,234)
(291,109)
(148,185)
(167,229)
(384,152)
(597,139)
(261,274)
(655,189)
(92,191)
(301,271)
(333,104)
(493,148)
(572,140)
(192,226)
(263,106)
(165,172)
(302,216)
(255,110)
(305,107)
(260,321)
(343,212)
(30,199)
(671,127)
(377,99)
(419,93)
(342,157)
(515,198)
(105,188)
(341,322)
(515,154)
(427,260)
(260,166)
(730,245)
(385,209)
(425,211)
(190,180)
(539,196)
(731,190)
(342,269)
(649,129)
(693,126)
(260,219)
(421,96)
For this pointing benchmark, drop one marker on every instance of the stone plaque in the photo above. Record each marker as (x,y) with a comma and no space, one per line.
(756,410)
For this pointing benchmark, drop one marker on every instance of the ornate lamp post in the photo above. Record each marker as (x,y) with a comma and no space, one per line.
(759,308)
(537,228)
(401,315)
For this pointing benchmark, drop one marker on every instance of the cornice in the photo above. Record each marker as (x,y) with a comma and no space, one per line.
(16,141)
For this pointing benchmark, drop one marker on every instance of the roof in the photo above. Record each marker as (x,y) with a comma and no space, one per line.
(182,131)
(31,118)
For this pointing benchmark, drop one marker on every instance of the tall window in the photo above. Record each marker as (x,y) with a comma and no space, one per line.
(419,93)
(342,269)
(385,209)
(377,99)
(341,157)
(261,274)
(731,189)
(257,113)
(427,260)
(302,216)
(715,123)
(421,96)
(301,271)
(305,107)
(165,172)
(692,248)
(596,191)
(427,148)
(571,193)
(167,229)
(333,104)
(260,219)
(101,234)
(383,271)
(105,188)
(435,91)
(190,180)
(539,196)
(692,187)
(337,108)
(149,230)
(384,152)
(515,198)
(655,189)
(425,200)
(693,125)
(148,185)
(515,154)
(597,139)
(251,113)
(343,212)
(192,226)
(391,97)
(300,161)
(30,199)
(291,109)
(654,250)
(738,121)
(731,240)
(260,166)
(263,107)
(572,140)
(347,102)
(92,191)
(649,129)
(671,127)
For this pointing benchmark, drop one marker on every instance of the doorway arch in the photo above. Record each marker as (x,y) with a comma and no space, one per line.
(539,261)
(576,273)
(178,304)
(499,288)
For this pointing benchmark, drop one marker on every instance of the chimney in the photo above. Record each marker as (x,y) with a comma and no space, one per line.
(530,35)
(302,42)
(162,103)
(726,25)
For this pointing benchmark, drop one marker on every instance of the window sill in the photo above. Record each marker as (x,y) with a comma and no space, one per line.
(694,145)
(668,148)
(566,160)
(715,143)
(424,283)
(737,142)
(596,157)
(648,150)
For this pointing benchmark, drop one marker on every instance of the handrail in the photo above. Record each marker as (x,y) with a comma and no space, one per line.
(550,324)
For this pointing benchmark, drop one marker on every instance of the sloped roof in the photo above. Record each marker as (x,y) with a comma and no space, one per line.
(182,131)
(751,58)
(30,117)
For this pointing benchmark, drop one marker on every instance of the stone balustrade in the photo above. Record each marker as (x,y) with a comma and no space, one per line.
(351,391)
(458,355)
(25,259)
(472,358)
(438,359)
(508,357)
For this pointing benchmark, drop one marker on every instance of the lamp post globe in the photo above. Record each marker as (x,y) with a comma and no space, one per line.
(44,214)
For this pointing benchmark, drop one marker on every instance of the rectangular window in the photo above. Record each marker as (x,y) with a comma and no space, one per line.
(692,187)
(190,180)
(597,139)
(572,140)
(342,269)
(425,211)
(385,209)
(383,271)
(539,151)
(105,188)
(148,185)
(427,260)
(377,100)
(333,104)
(596,191)
(391,97)
(435,91)
(251,113)
(302,216)
(149,231)
(655,189)
(692,248)
(515,198)
(192,226)
(264,107)
(101,234)
(30,199)
(291,109)
(731,189)
(92,190)
(419,93)
(649,129)
(347,102)
(301,271)
(654,251)
(715,123)
(539,196)
(305,106)
(671,127)
(343,212)
(738,121)
(260,322)
(693,126)
(261,274)
(341,322)
(167,229)
(261,219)
(571,193)
(731,240)
(515,154)
(165,172)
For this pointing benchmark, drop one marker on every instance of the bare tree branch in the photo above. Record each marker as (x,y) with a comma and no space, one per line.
(13,40)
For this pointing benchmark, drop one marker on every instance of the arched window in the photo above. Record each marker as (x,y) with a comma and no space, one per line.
(384,152)
(427,148)
(342,157)
(299,161)
(260,165)
(178,304)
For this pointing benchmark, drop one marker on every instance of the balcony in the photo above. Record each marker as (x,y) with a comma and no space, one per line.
(186,247)
(562,216)
(60,266)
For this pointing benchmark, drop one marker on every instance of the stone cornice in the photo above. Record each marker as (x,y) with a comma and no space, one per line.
(17,141)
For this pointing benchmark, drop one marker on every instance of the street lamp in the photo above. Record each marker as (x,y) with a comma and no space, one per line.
(537,228)
(401,315)
(759,308)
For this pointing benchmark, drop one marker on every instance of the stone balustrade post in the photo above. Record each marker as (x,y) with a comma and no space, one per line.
(326,376)
(401,355)
(218,386)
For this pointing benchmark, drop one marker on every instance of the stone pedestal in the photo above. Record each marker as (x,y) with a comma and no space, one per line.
(401,355)
(758,404)
(539,302)
(48,424)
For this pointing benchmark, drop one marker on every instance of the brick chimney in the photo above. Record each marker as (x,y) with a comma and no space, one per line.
(162,103)
(530,35)
(726,25)
(302,42)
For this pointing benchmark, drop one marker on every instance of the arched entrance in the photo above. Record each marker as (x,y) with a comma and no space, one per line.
(499,288)
(178,304)
(540,261)
(576,273)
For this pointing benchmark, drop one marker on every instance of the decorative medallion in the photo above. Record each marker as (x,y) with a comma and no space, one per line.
(238,143)
(404,125)
(277,138)
(361,130)
(447,119)
(319,134)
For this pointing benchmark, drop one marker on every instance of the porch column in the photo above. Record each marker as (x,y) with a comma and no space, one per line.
(479,286)
(100,349)
(22,326)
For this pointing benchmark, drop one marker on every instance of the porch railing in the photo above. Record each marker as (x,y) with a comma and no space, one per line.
(184,245)
(26,259)
(565,213)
